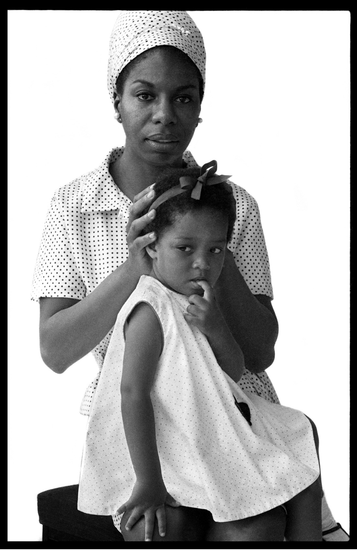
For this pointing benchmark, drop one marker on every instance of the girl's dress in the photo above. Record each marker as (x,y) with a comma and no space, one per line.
(221,449)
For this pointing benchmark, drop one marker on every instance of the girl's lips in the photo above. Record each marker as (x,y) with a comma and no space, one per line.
(197,286)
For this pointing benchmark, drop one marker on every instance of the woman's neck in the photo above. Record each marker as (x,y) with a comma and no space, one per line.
(131,176)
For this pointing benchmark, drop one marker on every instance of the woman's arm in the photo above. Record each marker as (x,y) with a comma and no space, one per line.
(69,329)
(143,346)
(251,319)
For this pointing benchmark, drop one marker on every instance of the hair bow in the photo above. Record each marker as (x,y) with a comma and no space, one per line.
(207,177)
(188,183)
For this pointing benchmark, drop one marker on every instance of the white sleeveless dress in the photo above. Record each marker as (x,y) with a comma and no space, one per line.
(212,456)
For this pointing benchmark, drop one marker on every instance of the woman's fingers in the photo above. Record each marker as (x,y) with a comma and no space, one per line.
(141,201)
(135,228)
(136,241)
(142,194)
(140,243)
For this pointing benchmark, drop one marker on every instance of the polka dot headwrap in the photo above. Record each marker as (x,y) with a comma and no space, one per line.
(136,31)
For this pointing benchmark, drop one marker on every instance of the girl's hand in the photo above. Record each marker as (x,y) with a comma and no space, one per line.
(148,500)
(203,311)
(136,224)
(205,314)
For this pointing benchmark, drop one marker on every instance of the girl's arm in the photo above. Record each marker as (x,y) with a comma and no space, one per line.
(251,319)
(144,341)
(69,329)
(204,313)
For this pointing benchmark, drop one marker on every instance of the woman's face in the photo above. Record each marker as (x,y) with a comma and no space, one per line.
(159,107)
(191,249)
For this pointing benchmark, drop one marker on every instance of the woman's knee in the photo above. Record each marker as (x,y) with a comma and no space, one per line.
(269,526)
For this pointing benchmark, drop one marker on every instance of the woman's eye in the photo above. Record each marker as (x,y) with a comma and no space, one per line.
(183,99)
(216,250)
(144,96)
(184,248)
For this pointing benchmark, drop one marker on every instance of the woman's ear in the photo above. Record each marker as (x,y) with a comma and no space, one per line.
(116,107)
(116,100)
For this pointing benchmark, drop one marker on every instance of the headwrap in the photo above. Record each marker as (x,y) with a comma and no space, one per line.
(192,185)
(136,31)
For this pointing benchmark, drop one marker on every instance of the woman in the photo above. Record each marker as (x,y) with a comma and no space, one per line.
(79,296)
(92,253)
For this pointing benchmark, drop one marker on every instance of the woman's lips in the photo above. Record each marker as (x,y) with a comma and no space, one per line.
(162,142)
(163,137)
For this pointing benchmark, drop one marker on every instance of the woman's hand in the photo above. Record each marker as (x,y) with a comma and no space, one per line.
(138,258)
(148,500)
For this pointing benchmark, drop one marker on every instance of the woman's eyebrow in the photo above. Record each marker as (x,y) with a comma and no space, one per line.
(152,85)
(186,87)
(145,82)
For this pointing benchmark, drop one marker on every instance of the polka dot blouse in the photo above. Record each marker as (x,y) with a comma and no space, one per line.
(84,240)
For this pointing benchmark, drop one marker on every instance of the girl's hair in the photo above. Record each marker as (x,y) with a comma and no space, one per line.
(217,197)
(180,55)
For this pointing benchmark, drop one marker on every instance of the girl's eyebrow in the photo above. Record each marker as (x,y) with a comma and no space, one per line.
(189,238)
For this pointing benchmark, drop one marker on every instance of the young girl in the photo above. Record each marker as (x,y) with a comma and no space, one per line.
(175,449)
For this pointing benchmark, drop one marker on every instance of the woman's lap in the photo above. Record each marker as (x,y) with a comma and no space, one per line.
(191,524)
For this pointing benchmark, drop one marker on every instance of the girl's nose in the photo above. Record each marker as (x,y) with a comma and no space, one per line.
(201,263)
(164,112)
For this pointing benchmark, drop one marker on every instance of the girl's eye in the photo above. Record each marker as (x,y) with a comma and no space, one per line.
(184,248)
(216,250)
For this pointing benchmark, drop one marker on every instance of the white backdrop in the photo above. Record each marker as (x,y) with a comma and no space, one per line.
(276,116)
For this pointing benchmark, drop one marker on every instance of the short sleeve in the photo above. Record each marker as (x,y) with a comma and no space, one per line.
(56,274)
(248,244)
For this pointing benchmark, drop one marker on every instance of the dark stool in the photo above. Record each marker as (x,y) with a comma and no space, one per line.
(61,521)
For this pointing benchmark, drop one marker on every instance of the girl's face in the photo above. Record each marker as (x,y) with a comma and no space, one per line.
(191,249)
(159,107)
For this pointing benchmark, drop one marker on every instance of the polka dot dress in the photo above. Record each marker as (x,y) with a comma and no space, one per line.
(84,241)
(211,456)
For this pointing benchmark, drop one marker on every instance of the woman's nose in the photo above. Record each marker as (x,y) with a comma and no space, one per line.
(164,112)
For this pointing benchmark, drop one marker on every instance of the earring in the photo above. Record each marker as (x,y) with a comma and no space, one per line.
(199,120)
(117,116)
